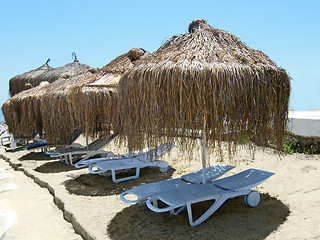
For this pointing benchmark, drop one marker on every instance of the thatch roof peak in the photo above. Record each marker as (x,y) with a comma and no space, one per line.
(125,61)
(198,24)
(135,53)
(75,57)
(206,44)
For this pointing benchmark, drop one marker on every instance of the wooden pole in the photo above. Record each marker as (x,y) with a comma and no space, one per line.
(204,151)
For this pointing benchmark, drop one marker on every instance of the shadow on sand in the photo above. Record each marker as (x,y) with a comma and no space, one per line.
(55,167)
(96,185)
(36,156)
(233,220)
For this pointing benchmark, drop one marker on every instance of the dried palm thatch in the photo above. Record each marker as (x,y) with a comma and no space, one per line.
(65,71)
(57,109)
(22,112)
(26,80)
(204,78)
(96,102)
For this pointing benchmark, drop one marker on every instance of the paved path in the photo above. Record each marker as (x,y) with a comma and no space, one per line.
(38,217)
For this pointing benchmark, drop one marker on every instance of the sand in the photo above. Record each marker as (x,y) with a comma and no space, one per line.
(90,205)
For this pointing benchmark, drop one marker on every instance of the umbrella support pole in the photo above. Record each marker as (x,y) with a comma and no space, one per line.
(87,135)
(87,141)
(204,151)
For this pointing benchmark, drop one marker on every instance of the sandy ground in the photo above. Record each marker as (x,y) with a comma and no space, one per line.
(289,207)
(38,216)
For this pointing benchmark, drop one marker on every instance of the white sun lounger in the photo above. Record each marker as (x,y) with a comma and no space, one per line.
(70,142)
(7,219)
(45,146)
(84,163)
(88,162)
(143,192)
(4,179)
(137,161)
(219,191)
(8,187)
(72,155)
(5,176)
(5,140)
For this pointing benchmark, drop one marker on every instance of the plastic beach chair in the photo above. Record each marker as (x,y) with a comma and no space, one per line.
(137,161)
(219,191)
(3,128)
(72,155)
(7,219)
(44,145)
(5,140)
(143,192)
(141,154)
(4,179)
(8,187)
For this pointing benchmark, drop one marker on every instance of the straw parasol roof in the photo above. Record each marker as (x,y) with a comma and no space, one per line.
(22,111)
(21,115)
(57,109)
(206,78)
(96,102)
(65,71)
(24,81)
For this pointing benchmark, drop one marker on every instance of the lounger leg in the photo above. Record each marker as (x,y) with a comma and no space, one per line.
(69,159)
(87,157)
(163,165)
(176,212)
(76,159)
(114,179)
(214,207)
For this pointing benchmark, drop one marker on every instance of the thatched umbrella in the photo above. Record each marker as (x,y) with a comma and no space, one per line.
(57,109)
(96,103)
(206,80)
(26,80)
(22,111)
(21,116)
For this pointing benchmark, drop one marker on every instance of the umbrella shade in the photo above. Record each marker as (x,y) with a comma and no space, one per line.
(22,111)
(96,103)
(57,109)
(23,81)
(206,77)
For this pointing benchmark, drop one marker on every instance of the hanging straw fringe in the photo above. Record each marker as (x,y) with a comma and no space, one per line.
(205,73)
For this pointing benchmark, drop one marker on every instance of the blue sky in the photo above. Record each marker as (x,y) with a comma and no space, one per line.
(98,31)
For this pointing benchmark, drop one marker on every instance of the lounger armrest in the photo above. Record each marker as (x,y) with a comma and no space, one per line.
(98,171)
(151,206)
(122,197)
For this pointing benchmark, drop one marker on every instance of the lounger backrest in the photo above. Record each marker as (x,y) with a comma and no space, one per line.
(3,128)
(244,180)
(74,136)
(150,154)
(101,142)
(36,144)
(212,172)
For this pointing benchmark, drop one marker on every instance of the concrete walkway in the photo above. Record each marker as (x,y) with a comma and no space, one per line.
(38,217)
